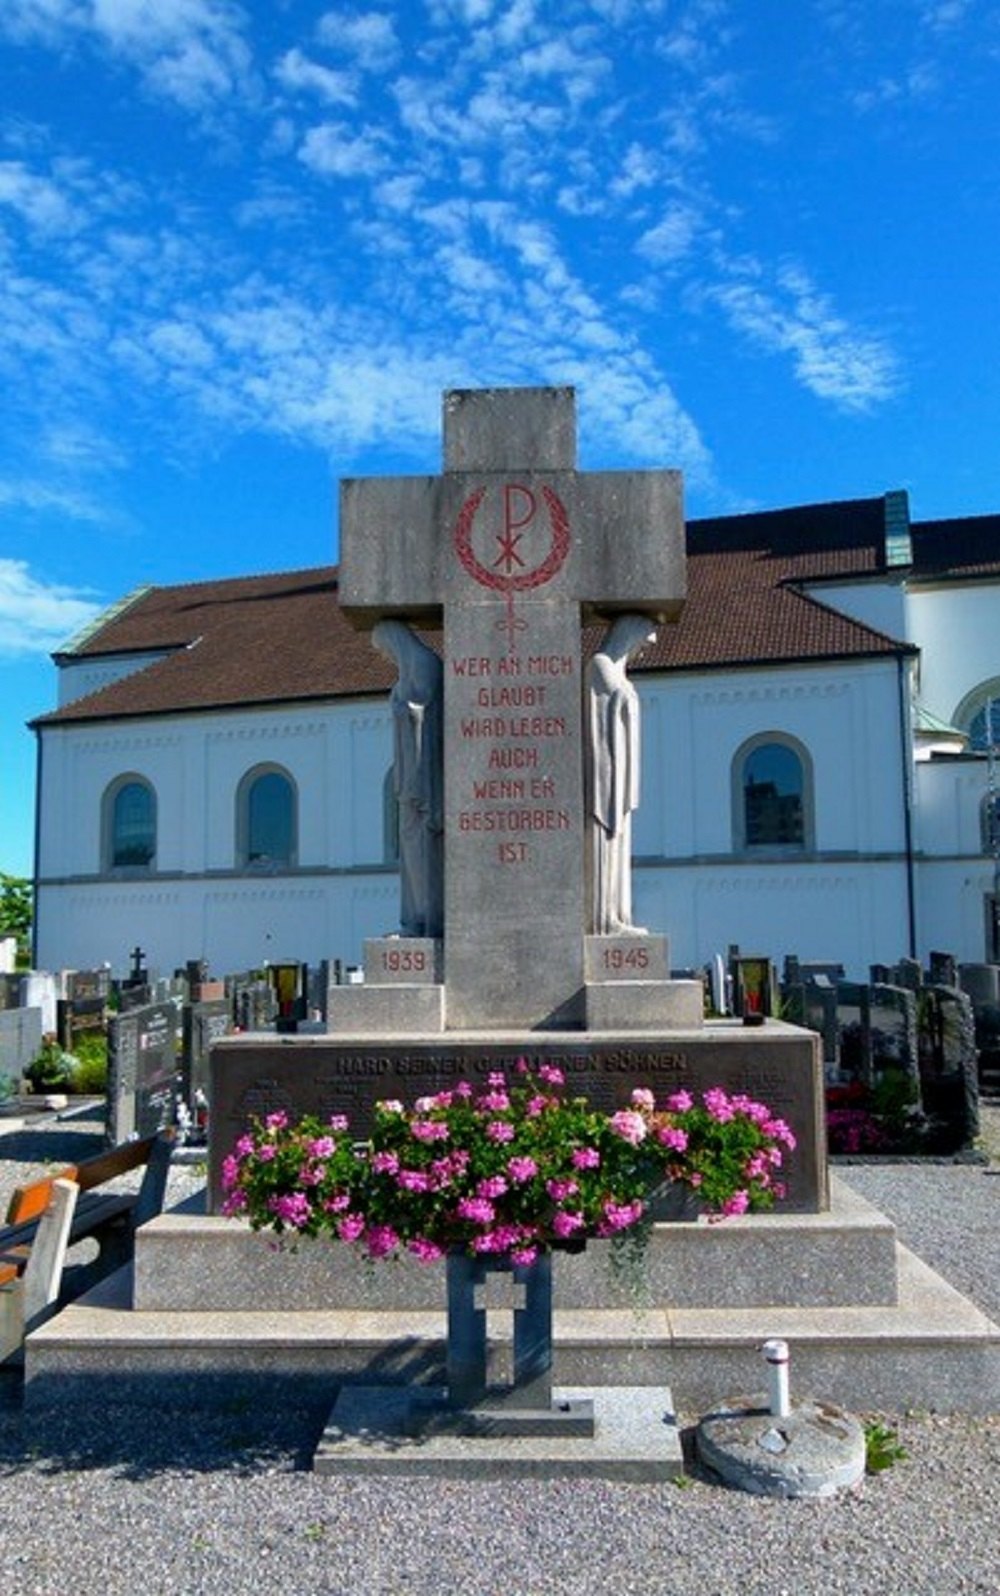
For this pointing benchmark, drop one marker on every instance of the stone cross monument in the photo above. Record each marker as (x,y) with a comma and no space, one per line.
(509,549)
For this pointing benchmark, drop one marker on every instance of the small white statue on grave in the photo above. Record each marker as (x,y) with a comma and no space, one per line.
(613,770)
(418,776)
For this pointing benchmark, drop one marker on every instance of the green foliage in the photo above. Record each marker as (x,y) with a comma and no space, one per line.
(8,1087)
(90,1049)
(52,1070)
(16,910)
(882,1447)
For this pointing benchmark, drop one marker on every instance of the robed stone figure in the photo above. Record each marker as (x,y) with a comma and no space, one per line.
(613,774)
(416,702)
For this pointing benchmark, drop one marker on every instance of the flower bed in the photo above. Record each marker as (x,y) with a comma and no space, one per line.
(511,1171)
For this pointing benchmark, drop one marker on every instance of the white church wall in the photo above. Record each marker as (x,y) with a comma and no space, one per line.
(79,677)
(847,900)
(846,718)
(952,908)
(949,795)
(234,924)
(955,628)
(197,903)
(851,912)
(877,603)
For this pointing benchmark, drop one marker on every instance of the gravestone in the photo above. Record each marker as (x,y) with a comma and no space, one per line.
(40,990)
(20,1040)
(10,991)
(253,1000)
(949,1075)
(84,1007)
(144,1054)
(204,1024)
(507,549)
(942,969)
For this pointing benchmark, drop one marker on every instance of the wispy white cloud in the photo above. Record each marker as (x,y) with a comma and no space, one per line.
(193,52)
(673,235)
(914,85)
(333,149)
(299,74)
(368,37)
(853,369)
(36,198)
(37,616)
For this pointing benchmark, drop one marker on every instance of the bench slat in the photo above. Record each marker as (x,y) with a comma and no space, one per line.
(28,1203)
(106,1166)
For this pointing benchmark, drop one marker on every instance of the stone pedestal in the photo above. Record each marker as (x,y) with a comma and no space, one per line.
(403,961)
(401,993)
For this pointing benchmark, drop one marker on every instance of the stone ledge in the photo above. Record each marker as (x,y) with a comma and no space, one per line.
(385,1010)
(934,1350)
(643,1006)
(187,1260)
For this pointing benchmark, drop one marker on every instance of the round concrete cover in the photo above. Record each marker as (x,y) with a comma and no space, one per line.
(815,1450)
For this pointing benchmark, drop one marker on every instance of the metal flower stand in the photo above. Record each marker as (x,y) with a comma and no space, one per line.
(476,1426)
(474,1404)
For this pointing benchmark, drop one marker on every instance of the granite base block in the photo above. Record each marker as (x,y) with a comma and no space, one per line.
(386,1010)
(644,1005)
(372,1431)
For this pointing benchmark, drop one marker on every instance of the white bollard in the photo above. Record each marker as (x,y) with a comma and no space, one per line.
(776,1358)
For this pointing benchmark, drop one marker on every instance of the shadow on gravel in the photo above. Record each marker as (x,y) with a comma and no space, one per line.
(50,1147)
(135,1442)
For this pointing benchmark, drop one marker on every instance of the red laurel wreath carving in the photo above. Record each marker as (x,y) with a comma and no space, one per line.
(505,582)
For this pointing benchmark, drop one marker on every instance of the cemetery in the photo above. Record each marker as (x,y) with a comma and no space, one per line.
(510,594)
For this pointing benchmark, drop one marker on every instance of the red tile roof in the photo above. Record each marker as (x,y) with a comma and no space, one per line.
(269,639)
(957,550)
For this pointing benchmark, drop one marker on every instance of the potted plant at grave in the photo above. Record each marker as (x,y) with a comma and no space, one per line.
(509,1172)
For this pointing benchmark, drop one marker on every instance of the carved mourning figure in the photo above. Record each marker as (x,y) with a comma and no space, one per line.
(418,760)
(613,771)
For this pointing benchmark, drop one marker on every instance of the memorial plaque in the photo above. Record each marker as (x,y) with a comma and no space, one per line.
(778,1064)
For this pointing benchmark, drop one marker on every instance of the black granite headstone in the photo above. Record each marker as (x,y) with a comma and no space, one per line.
(143,1064)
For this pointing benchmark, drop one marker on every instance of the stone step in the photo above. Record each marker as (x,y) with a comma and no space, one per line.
(933,1349)
(186,1260)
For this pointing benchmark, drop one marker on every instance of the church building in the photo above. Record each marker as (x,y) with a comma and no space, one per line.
(817,758)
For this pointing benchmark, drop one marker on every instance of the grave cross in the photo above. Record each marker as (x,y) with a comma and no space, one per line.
(512,544)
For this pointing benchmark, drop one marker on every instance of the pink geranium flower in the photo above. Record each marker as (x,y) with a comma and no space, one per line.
(585,1158)
(630,1126)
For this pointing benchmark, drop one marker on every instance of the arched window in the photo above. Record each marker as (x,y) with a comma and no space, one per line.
(772,794)
(266,821)
(390,818)
(129,824)
(978,715)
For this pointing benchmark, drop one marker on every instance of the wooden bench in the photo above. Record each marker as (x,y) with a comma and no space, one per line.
(53,1213)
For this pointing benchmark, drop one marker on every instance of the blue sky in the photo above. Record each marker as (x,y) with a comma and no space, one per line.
(244,249)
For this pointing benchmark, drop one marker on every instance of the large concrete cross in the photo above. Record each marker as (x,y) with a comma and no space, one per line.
(513,545)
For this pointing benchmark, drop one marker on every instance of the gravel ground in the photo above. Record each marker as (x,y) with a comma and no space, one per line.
(223,1502)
